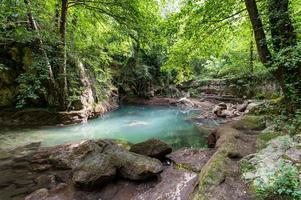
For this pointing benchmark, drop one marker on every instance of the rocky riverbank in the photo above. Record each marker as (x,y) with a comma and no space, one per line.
(109,170)
(220,177)
(211,110)
(100,169)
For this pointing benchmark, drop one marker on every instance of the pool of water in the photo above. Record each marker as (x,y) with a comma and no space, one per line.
(130,123)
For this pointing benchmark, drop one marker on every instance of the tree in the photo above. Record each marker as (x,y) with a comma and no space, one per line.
(281,58)
(52,84)
(63,87)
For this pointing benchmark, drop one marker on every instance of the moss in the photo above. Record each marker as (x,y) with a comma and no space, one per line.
(265,137)
(246,166)
(214,172)
(7,96)
(250,122)
(27,57)
(183,166)
(205,130)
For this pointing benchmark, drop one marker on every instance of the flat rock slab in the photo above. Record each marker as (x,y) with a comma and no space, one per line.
(191,158)
(175,184)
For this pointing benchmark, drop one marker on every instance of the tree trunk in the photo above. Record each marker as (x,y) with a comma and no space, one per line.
(57,15)
(52,90)
(284,39)
(282,29)
(260,37)
(63,64)
(251,61)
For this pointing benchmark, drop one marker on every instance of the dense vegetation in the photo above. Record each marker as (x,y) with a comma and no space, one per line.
(52,51)
(136,46)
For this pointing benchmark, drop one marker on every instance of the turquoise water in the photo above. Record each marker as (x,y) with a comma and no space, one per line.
(130,123)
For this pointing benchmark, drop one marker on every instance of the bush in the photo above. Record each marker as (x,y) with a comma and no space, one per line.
(283,183)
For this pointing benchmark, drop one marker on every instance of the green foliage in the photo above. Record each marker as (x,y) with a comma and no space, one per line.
(32,84)
(171,42)
(284,182)
(205,32)
(97,34)
(245,166)
(276,113)
(103,85)
(290,58)
(290,123)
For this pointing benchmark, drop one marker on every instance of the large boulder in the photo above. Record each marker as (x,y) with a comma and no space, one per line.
(95,163)
(71,155)
(134,166)
(243,107)
(152,148)
(96,170)
(268,160)
(250,122)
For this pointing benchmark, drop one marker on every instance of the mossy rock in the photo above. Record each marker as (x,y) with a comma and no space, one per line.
(27,57)
(250,122)
(214,172)
(265,137)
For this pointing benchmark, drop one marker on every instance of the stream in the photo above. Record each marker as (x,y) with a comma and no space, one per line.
(129,123)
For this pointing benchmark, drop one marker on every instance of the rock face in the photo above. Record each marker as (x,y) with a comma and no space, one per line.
(41,194)
(174,184)
(267,161)
(44,117)
(152,148)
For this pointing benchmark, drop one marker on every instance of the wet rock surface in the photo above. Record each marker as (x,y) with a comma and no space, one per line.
(172,184)
(90,170)
(152,148)
(191,158)
(228,111)
(175,184)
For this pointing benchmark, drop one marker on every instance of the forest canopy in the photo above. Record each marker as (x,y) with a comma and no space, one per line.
(139,45)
